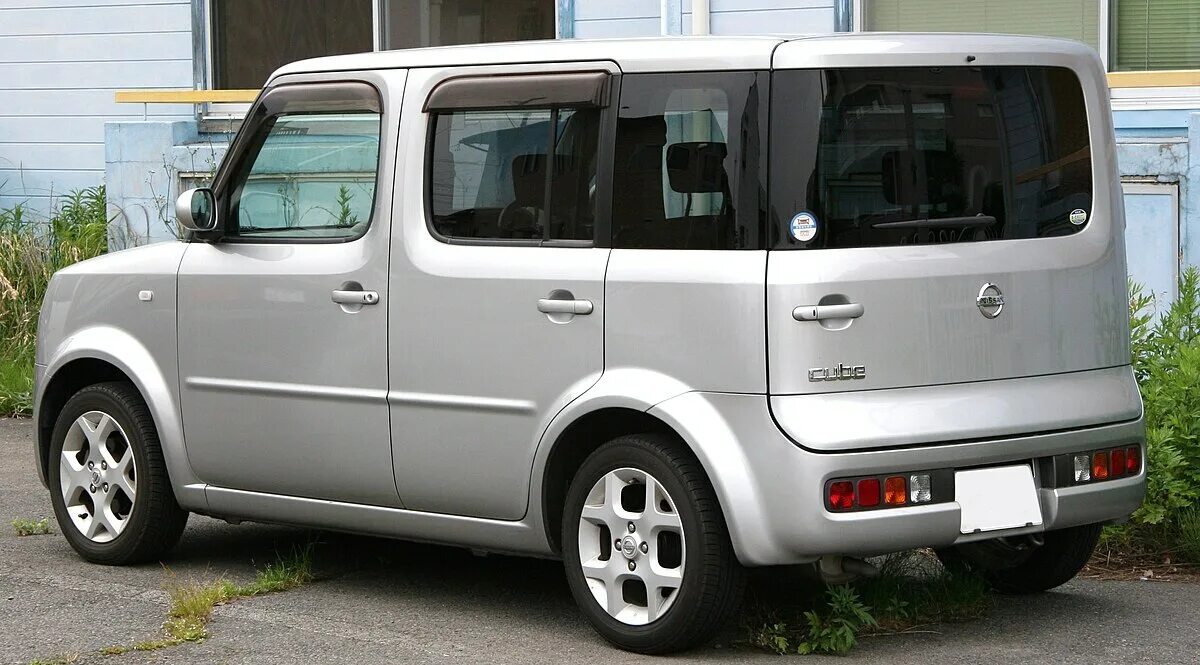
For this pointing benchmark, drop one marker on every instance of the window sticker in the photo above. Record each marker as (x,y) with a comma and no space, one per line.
(803,227)
(1078,216)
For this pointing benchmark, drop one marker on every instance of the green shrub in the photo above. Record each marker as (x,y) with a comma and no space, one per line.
(1166,361)
(1189,535)
(30,253)
(831,629)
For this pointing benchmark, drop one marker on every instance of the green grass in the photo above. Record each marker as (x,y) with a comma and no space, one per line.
(31,251)
(16,385)
(912,590)
(31,527)
(192,603)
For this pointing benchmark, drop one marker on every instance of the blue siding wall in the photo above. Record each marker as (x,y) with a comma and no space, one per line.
(640,18)
(60,63)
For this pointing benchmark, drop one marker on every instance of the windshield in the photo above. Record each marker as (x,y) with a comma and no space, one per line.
(867,157)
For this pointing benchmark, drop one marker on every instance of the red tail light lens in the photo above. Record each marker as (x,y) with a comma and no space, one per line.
(1099,466)
(841,495)
(1133,461)
(868,492)
(1117,468)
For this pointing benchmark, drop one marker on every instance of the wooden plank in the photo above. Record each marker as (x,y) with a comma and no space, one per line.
(1175,78)
(185,96)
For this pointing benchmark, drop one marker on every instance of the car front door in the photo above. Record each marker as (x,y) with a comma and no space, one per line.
(497,283)
(283,317)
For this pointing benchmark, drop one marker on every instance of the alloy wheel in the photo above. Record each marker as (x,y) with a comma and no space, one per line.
(98,476)
(631,546)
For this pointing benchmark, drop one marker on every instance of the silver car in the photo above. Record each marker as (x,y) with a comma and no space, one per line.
(665,309)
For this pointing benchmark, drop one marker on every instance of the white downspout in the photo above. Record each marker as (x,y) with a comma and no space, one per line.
(700,16)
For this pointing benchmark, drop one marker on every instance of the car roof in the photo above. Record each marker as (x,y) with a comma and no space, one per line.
(677,53)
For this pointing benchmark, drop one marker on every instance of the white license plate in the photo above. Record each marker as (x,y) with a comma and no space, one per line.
(998,498)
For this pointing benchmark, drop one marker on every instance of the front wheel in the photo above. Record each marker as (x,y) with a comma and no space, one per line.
(108,480)
(647,554)
(1023,565)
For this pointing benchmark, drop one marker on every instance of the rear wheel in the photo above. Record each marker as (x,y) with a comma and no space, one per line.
(108,481)
(647,553)
(1024,565)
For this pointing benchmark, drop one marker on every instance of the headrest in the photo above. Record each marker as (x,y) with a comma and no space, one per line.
(529,176)
(697,166)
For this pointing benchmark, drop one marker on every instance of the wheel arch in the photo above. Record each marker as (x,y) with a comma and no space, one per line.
(104,353)
(575,443)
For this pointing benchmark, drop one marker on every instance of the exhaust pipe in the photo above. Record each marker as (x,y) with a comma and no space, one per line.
(836,569)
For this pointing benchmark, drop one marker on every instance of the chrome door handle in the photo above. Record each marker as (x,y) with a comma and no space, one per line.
(555,306)
(822,312)
(355,297)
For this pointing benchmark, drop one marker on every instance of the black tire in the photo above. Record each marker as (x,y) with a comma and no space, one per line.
(155,520)
(1026,568)
(713,580)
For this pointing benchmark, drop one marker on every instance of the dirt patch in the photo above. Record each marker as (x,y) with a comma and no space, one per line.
(1157,567)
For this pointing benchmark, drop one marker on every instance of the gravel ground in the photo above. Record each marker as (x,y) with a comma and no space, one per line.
(392,602)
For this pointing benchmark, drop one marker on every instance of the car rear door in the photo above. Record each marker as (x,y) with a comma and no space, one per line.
(497,281)
(939,223)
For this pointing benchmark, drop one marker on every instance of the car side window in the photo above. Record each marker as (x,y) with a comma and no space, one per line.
(687,165)
(490,177)
(307,174)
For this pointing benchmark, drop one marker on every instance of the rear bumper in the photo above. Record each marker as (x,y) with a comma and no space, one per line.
(771,490)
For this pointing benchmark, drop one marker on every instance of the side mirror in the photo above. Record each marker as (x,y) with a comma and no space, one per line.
(196,210)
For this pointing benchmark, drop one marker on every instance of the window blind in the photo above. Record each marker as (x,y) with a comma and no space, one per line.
(1157,34)
(1072,19)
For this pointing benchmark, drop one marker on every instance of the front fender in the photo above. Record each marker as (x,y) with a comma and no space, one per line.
(125,352)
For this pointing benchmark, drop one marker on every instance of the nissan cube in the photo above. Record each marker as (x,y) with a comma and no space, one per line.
(665,309)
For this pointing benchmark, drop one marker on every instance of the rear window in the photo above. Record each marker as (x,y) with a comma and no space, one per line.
(875,157)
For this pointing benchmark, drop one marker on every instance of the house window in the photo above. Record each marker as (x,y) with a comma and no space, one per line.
(1157,34)
(1072,19)
(252,38)
(411,23)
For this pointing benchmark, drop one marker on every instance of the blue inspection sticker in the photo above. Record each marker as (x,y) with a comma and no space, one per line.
(803,226)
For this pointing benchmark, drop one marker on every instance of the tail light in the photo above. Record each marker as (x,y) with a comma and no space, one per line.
(891,490)
(841,495)
(1092,466)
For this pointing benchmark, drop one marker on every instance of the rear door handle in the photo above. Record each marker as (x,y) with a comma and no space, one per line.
(556,306)
(822,312)
(342,297)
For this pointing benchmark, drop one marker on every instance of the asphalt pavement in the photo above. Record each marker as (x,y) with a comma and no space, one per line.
(381,601)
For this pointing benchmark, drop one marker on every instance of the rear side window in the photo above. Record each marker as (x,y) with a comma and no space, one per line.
(514,174)
(927,155)
(687,166)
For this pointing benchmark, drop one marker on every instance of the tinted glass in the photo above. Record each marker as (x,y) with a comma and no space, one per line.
(489,180)
(687,166)
(411,23)
(312,177)
(894,156)
(252,38)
